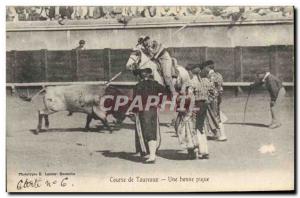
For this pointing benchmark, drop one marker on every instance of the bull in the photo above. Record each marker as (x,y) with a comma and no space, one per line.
(82,99)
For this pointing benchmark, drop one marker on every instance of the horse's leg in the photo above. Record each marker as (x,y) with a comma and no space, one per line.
(89,118)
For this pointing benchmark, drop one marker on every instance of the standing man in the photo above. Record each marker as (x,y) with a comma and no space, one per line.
(157,52)
(217,80)
(276,91)
(81,45)
(202,89)
(147,124)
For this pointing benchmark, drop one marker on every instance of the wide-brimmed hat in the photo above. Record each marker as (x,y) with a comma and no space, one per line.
(206,64)
(145,71)
(190,66)
(260,71)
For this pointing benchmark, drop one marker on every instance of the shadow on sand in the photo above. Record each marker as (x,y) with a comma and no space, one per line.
(130,156)
(122,155)
(98,129)
(247,124)
(79,129)
(172,154)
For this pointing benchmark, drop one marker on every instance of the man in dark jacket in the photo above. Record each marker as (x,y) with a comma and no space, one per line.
(277,92)
(147,124)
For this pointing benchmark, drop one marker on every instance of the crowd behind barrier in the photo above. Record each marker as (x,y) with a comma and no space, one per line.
(125,13)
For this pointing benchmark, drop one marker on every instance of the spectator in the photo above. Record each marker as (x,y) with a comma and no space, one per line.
(116,12)
(11,14)
(50,12)
(172,11)
(194,11)
(65,12)
(139,10)
(57,16)
(149,11)
(35,13)
(125,13)
(90,13)
(98,12)
(43,15)
(23,13)
(81,12)
(128,11)
(164,11)
(107,11)
(233,13)
(261,10)
(181,11)
(218,10)
(287,11)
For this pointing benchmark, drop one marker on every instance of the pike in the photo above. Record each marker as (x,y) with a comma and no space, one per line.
(29,99)
(113,78)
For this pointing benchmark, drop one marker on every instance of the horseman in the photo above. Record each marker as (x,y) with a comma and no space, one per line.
(158,53)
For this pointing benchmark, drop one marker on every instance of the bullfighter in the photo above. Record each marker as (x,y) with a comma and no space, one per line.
(147,123)
(277,93)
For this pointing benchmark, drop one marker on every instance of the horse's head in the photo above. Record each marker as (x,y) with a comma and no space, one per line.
(134,59)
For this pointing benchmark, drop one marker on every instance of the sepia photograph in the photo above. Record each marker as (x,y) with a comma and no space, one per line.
(150,98)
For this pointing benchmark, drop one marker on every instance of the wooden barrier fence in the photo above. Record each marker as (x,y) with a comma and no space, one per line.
(237,64)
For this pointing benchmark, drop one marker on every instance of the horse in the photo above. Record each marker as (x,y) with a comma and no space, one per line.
(139,60)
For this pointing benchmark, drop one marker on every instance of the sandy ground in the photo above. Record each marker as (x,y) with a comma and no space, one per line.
(97,156)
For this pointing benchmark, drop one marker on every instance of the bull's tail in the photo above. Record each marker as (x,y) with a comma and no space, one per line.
(29,99)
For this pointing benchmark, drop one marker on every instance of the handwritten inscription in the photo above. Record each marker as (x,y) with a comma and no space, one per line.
(27,183)
(38,180)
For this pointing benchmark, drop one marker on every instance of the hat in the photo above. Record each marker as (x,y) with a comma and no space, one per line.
(190,66)
(142,39)
(194,68)
(146,71)
(260,71)
(81,42)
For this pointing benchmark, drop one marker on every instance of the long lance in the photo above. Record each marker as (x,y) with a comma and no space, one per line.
(113,78)
(29,99)
(245,108)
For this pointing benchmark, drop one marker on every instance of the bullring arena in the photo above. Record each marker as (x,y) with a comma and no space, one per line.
(97,160)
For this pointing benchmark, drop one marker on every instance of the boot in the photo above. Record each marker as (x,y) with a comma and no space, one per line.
(152,149)
(196,153)
(222,136)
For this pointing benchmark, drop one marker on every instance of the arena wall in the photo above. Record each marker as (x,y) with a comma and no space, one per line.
(101,34)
